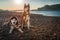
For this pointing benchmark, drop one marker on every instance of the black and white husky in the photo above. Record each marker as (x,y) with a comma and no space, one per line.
(14,24)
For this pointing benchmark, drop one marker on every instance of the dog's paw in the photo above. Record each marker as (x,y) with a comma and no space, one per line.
(10,32)
(22,32)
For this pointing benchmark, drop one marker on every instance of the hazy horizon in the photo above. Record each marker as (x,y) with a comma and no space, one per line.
(34,4)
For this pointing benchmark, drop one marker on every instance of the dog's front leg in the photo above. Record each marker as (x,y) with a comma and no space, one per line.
(22,25)
(28,24)
(11,29)
(20,30)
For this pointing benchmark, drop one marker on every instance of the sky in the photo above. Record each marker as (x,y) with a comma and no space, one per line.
(34,4)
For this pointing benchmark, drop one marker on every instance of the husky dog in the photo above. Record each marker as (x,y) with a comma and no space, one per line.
(26,16)
(14,24)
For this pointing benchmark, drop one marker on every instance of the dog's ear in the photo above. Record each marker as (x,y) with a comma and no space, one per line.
(24,5)
(9,21)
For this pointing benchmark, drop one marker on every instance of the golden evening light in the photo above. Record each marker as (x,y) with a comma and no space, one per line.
(18,2)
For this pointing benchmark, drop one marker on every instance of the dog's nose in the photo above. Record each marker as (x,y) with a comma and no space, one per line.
(14,22)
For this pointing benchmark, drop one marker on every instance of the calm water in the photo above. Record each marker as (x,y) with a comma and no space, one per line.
(47,13)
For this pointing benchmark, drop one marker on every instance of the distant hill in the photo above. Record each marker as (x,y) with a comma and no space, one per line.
(55,7)
(1,10)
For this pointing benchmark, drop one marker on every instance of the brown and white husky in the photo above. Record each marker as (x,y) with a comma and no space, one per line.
(26,16)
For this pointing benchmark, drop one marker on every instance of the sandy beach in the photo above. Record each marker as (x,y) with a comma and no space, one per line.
(44,28)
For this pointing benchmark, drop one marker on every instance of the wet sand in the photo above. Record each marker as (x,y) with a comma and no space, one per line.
(44,28)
